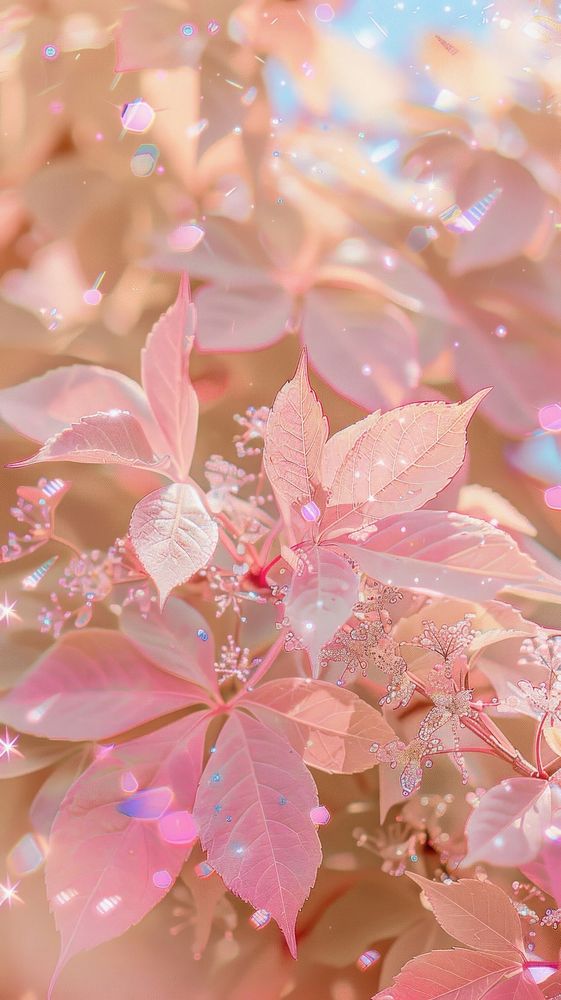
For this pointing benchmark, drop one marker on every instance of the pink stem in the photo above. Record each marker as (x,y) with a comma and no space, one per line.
(262,669)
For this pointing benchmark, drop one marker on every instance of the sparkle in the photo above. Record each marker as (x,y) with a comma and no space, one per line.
(8,745)
(7,612)
(9,893)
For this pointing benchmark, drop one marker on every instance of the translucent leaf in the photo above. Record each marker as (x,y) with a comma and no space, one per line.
(508,825)
(114,438)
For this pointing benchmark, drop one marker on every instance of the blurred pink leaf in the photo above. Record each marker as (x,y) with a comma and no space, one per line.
(47,801)
(331,727)
(91,685)
(508,825)
(323,591)
(477,914)
(165,377)
(106,870)
(552,987)
(545,869)
(399,463)
(149,36)
(172,535)
(114,438)
(448,975)
(244,318)
(364,348)
(177,639)
(295,436)
(206,894)
(447,553)
(253,809)
(45,405)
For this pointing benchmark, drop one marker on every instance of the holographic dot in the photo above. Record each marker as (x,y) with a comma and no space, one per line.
(178,828)
(56,107)
(185,237)
(282,800)
(550,417)
(129,782)
(144,160)
(203,870)
(501,331)
(150,804)
(218,808)
(213,27)
(259,919)
(50,52)
(92,296)
(137,116)
(320,815)
(324,12)
(188,30)
(419,237)
(27,855)
(201,634)
(162,879)
(552,497)
(216,777)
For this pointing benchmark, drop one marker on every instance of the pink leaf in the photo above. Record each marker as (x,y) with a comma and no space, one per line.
(106,870)
(173,536)
(149,36)
(46,804)
(165,377)
(508,825)
(545,869)
(552,987)
(322,594)
(114,438)
(295,436)
(177,639)
(403,460)
(448,553)
(520,987)
(338,447)
(92,685)
(330,727)
(253,809)
(242,318)
(476,913)
(45,405)
(448,975)
(365,349)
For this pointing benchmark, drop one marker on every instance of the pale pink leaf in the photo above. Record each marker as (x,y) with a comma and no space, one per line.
(338,447)
(399,463)
(114,438)
(520,987)
(364,348)
(106,870)
(508,825)
(149,36)
(448,975)
(91,685)
(206,894)
(545,869)
(447,553)
(45,805)
(552,987)
(166,381)
(172,535)
(242,318)
(322,594)
(177,639)
(253,809)
(484,503)
(294,439)
(36,755)
(45,405)
(330,727)
(477,914)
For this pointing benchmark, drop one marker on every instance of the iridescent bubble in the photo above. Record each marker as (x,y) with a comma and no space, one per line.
(201,634)
(552,497)
(367,959)
(185,237)
(137,116)
(144,160)
(27,855)
(129,782)
(162,879)
(178,827)
(550,417)
(50,52)
(310,511)
(320,815)
(188,30)
(324,12)
(150,804)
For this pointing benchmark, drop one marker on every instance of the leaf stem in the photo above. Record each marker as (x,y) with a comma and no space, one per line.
(262,669)
(538,747)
